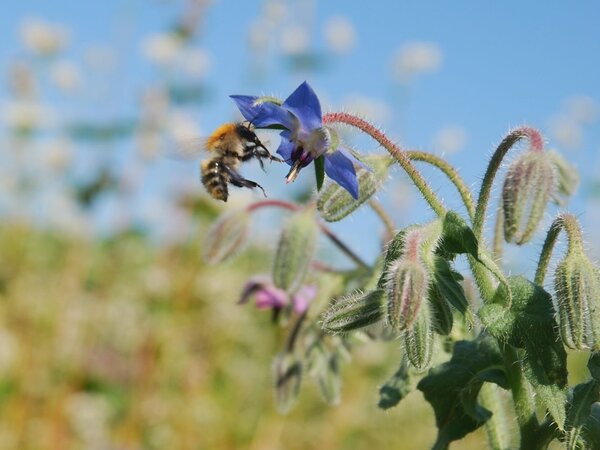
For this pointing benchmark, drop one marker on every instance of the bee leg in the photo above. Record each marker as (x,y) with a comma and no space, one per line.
(237,180)
(262,152)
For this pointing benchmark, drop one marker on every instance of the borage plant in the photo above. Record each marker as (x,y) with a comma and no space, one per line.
(460,354)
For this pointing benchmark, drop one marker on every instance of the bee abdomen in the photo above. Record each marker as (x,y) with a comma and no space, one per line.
(214,179)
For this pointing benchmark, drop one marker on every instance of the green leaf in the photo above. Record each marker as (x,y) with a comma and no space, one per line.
(320,171)
(458,236)
(591,429)
(396,388)
(594,365)
(452,388)
(529,324)
(579,409)
(449,288)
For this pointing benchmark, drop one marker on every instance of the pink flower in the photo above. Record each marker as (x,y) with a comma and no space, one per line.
(268,296)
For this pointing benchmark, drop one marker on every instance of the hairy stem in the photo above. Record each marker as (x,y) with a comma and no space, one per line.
(451,173)
(324,229)
(294,333)
(535,139)
(396,152)
(569,224)
(498,235)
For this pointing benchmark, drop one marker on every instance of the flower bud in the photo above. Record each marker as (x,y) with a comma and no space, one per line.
(577,288)
(295,251)
(354,311)
(567,178)
(529,183)
(407,288)
(335,202)
(418,339)
(226,236)
(288,375)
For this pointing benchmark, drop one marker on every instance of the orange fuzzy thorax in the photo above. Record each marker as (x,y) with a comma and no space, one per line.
(218,134)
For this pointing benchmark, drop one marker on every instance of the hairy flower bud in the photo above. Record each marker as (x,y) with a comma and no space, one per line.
(577,288)
(295,251)
(527,188)
(418,339)
(355,311)
(288,375)
(407,292)
(567,178)
(226,236)
(334,203)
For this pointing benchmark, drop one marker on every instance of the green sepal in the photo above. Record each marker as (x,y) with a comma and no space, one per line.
(320,171)
(354,311)
(457,236)
(451,388)
(397,387)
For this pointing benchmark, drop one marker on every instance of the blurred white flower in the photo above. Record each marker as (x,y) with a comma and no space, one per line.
(373,109)
(162,48)
(295,40)
(582,109)
(195,62)
(275,11)
(340,35)
(89,416)
(66,75)
(27,115)
(64,214)
(414,59)
(42,37)
(181,126)
(450,139)
(21,80)
(57,154)
(258,36)
(567,132)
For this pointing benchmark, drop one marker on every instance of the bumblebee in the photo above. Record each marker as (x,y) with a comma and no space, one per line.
(232,144)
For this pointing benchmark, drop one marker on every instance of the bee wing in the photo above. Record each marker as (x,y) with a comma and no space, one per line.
(186,149)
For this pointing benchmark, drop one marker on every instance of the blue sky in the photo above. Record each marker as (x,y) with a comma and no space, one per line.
(502,65)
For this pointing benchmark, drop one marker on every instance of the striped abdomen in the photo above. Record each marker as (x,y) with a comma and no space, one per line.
(215,178)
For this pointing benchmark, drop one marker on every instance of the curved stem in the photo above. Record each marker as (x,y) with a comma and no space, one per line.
(566,222)
(324,229)
(395,151)
(390,228)
(451,173)
(498,235)
(535,139)
(293,336)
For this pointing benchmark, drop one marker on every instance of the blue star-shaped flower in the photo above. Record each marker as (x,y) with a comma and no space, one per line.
(304,137)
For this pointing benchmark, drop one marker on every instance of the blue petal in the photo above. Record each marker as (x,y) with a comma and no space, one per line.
(339,168)
(264,114)
(352,158)
(286,147)
(304,104)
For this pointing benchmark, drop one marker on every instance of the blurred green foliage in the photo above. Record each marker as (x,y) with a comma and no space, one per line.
(120,344)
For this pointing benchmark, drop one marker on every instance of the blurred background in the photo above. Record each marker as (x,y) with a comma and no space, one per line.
(113,332)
